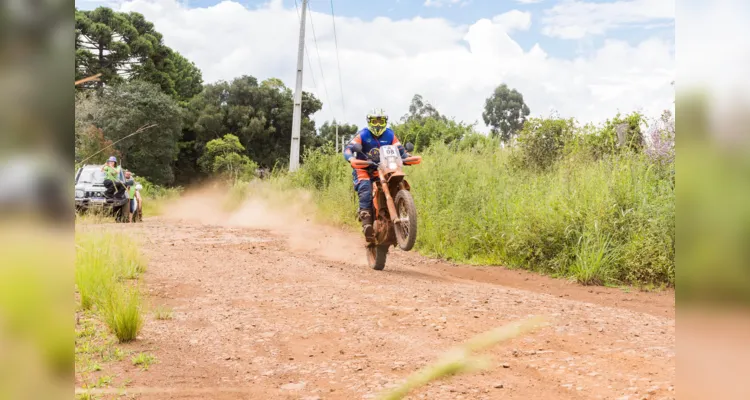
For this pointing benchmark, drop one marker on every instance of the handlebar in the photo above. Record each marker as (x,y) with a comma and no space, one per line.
(364,164)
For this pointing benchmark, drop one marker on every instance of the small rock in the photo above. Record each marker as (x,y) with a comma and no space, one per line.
(498,386)
(601,329)
(506,365)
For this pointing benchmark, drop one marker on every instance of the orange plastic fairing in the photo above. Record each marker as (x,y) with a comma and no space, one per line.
(413,160)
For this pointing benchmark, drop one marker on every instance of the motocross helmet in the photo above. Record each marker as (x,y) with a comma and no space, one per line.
(376,121)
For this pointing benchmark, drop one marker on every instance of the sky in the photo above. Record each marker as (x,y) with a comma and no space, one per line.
(573,58)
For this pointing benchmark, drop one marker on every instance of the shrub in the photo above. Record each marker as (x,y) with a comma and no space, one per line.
(541,142)
(104,264)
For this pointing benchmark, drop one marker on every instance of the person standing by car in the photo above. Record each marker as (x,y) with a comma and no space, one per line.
(111,177)
(138,204)
(131,192)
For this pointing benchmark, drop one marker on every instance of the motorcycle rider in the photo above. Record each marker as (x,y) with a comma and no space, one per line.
(376,134)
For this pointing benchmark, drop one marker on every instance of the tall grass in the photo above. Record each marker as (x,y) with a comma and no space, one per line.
(106,266)
(605,221)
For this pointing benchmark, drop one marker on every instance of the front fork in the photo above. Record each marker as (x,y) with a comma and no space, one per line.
(389,200)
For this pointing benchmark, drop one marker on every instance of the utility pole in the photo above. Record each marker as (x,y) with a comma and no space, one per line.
(337,135)
(297,115)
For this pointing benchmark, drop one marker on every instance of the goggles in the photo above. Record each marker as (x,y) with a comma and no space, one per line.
(377,121)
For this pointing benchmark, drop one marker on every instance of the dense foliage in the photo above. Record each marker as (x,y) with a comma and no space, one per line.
(555,203)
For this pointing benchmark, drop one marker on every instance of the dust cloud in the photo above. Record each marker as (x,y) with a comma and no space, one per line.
(284,213)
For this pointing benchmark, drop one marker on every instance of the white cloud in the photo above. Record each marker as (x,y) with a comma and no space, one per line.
(514,20)
(529,1)
(575,19)
(385,62)
(440,3)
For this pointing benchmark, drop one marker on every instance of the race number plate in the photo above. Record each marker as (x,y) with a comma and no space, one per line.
(388,151)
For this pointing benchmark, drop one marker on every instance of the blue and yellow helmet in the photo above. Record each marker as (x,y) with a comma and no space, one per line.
(377,121)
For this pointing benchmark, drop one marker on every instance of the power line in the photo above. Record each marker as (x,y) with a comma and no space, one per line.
(320,63)
(336,40)
(307,52)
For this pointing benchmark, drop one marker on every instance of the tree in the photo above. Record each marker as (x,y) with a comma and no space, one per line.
(419,110)
(188,79)
(423,125)
(125,108)
(225,157)
(93,147)
(125,46)
(506,112)
(327,133)
(260,115)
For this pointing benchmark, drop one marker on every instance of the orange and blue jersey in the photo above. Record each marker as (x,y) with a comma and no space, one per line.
(369,141)
(362,177)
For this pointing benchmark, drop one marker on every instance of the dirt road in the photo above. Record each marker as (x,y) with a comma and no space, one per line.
(273,310)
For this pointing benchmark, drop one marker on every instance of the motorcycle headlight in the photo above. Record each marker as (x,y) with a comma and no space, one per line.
(79,193)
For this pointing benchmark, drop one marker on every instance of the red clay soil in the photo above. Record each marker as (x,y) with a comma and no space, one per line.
(265,311)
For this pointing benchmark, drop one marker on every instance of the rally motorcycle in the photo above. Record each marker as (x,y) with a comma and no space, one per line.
(395,215)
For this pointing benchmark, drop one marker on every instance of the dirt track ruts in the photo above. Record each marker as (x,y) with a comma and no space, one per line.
(265,314)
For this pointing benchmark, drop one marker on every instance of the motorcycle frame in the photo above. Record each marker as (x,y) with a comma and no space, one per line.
(387,185)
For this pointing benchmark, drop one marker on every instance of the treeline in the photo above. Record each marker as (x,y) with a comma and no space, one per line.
(148,88)
(188,130)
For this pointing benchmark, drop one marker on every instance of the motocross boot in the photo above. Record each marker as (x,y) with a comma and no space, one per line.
(365,216)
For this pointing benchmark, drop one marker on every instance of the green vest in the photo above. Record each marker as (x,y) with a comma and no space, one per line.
(112,173)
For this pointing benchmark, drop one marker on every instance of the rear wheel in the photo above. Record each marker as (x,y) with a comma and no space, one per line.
(376,256)
(406,228)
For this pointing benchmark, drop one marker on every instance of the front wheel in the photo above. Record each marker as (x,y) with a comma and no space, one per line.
(406,228)
(376,256)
